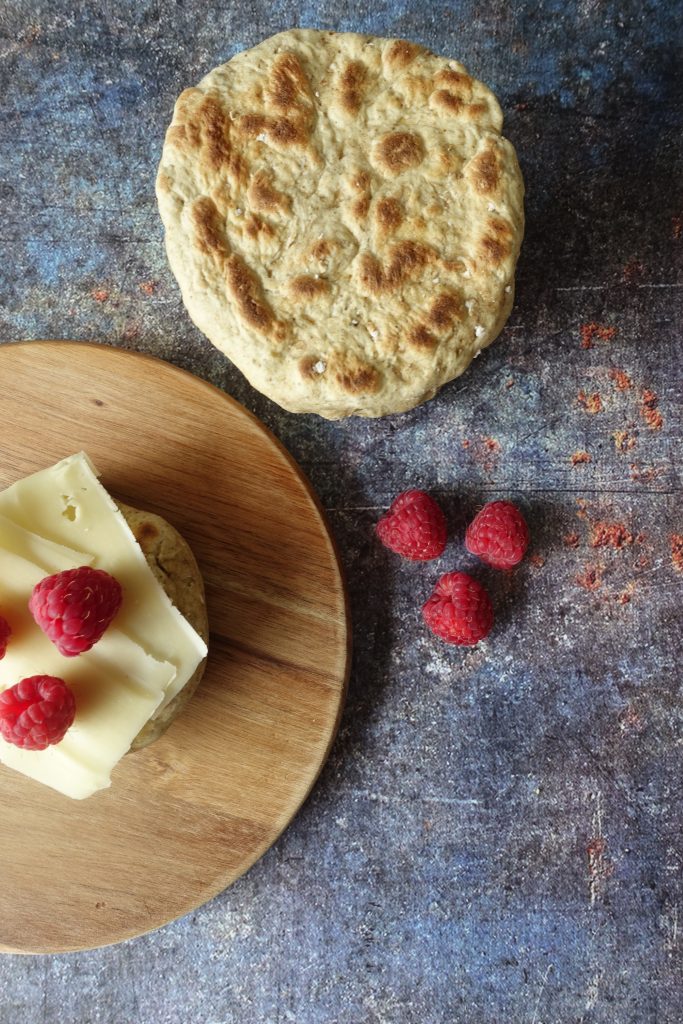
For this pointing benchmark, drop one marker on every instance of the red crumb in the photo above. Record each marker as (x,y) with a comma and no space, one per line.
(645,474)
(640,538)
(591,331)
(509,383)
(676,228)
(100,294)
(580,457)
(623,441)
(596,847)
(571,540)
(630,720)
(484,451)
(591,403)
(634,270)
(148,287)
(625,596)
(590,578)
(677,551)
(599,867)
(610,535)
(131,331)
(581,505)
(521,106)
(649,411)
(622,381)
(643,562)
(538,561)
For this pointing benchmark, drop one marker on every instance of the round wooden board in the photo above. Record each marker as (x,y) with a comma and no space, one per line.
(189,814)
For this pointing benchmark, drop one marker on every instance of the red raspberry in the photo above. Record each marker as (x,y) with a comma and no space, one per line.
(5,634)
(414,527)
(498,534)
(36,712)
(459,610)
(73,608)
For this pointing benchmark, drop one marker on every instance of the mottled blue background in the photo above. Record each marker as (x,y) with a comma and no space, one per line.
(497,835)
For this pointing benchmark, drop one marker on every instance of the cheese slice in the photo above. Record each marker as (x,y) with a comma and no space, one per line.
(67,505)
(61,518)
(49,556)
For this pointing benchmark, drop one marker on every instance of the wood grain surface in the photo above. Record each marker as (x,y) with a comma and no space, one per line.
(186,816)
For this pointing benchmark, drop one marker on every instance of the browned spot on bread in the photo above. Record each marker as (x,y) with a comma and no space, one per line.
(389,214)
(278,130)
(447,307)
(255,226)
(454,81)
(476,109)
(307,287)
(495,245)
(406,260)
(288,87)
(263,196)
(399,151)
(242,284)
(453,266)
(209,130)
(360,181)
(285,133)
(209,231)
(205,126)
(238,169)
(351,85)
(164,183)
(253,124)
(492,249)
(245,289)
(176,136)
(145,533)
(312,367)
(321,250)
(355,376)
(485,172)
(448,101)
(421,337)
(371,274)
(400,53)
(360,207)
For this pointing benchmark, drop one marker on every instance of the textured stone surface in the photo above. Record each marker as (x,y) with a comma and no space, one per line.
(497,835)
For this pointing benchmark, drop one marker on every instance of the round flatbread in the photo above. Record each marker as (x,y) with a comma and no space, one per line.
(343,217)
(172,562)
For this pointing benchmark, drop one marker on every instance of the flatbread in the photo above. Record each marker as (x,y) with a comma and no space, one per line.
(172,562)
(343,217)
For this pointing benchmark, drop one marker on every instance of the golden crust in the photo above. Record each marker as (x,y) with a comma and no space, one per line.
(172,562)
(343,217)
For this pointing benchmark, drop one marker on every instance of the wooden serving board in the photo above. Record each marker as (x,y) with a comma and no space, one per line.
(188,815)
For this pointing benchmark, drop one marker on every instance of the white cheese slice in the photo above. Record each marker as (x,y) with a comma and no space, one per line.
(68,505)
(61,518)
(44,553)
(117,686)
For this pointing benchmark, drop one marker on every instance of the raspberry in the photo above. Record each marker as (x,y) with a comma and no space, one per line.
(5,634)
(459,610)
(498,535)
(414,527)
(73,608)
(36,712)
